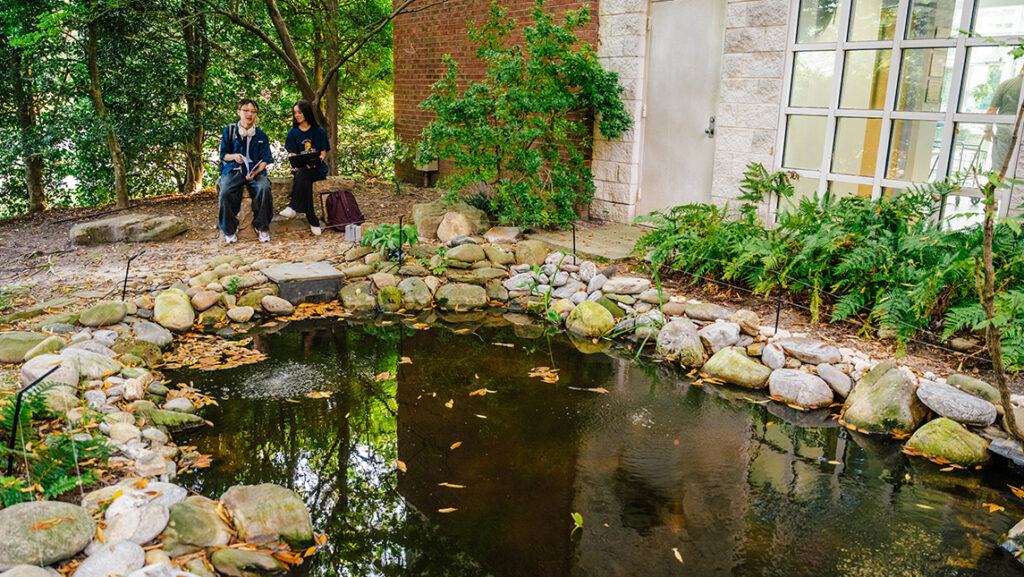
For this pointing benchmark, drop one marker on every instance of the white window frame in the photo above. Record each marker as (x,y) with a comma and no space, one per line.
(950,117)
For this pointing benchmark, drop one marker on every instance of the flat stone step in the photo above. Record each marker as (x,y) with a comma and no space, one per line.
(613,242)
(303,282)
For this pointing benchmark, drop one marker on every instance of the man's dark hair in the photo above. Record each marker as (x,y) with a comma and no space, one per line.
(245,101)
(307,110)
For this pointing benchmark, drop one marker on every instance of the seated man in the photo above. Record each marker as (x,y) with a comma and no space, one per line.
(245,155)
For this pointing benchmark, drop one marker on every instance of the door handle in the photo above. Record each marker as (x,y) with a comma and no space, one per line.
(710,130)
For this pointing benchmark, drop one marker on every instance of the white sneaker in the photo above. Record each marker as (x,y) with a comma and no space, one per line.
(315,230)
(288,212)
(264,236)
(230,238)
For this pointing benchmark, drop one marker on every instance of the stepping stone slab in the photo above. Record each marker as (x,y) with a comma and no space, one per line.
(23,545)
(15,344)
(103,314)
(976,387)
(678,339)
(798,388)
(302,282)
(946,439)
(810,351)
(119,558)
(269,514)
(589,319)
(951,402)
(194,524)
(462,296)
(734,367)
(884,401)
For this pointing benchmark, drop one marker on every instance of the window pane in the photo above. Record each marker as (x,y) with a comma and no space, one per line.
(890,192)
(999,18)
(818,19)
(934,18)
(914,150)
(924,76)
(837,190)
(856,147)
(964,211)
(991,81)
(873,20)
(979,146)
(805,142)
(812,79)
(865,78)
(805,187)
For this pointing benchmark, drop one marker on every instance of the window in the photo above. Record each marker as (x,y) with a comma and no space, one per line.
(885,94)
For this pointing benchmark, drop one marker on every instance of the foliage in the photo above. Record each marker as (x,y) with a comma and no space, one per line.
(889,262)
(1009,319)
(522,129)
(54,464)
(390,238)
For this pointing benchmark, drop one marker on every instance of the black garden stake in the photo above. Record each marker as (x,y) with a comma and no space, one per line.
(17,415)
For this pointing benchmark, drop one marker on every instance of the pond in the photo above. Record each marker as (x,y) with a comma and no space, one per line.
(459,462)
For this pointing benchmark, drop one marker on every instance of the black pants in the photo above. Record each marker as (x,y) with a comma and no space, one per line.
(302,193)
(232,185)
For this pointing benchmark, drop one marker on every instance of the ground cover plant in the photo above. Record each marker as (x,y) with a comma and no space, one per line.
(889,263)
(522,130)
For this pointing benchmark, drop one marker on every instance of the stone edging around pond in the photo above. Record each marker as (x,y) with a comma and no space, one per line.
(593,304)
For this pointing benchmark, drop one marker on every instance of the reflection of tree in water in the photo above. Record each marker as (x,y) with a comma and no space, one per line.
(338,454)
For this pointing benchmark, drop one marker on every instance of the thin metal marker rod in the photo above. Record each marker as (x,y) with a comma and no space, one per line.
(401,239)
(127,267)
(778,304)
(17,416)
(573,225)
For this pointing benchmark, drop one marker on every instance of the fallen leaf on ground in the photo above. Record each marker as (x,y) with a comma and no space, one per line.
(455,445)
(400,465)
(448,510)
(450,403)
(679,556)
(992,507)
(319,395)
(601,390)
(451,485)
(405,361)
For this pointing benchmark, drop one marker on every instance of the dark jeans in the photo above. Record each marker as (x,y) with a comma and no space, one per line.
(232,186)
(302,193)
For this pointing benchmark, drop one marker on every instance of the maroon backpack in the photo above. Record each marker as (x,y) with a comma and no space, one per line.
(342,210)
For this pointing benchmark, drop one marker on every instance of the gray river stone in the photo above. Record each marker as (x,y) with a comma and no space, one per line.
(91,365)
(837,379)
(152,332)
(268,514)
(521,281)
(568,289)
(810,351)
(717,336)
(799,388)
(588,270)
(93,346)
(976,387)
(194,524)
(678,339)
(773,356)
(30,571)
(67,374)
(24,546)
(596,283)
(626,285)
(119,558)
(955,404)
(140,525)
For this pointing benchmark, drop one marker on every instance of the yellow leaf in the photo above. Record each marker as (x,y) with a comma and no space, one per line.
(319,395)
(450,403)
(309,551)
(992,507)
(448,510)
(769,423)
(601,390)
(384,376)
(1019,492)
(455,445)
(834,463)
(451,485)
(481,416)
(321,539)
(401,466)
(461,331)
(405,361)
(679,556)
(920,506)
(946,469)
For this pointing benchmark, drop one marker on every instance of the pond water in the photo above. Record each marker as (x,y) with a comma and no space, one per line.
(656,466)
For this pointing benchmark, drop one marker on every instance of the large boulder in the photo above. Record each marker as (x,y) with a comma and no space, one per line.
(128,228)
(733,366)
(193,525)
(531,252)
(269,514)
(26,543)
(453,296)
(415,293)
(454,225)
(944,438)
(589,319)
(951,402)
(503,234)
(678,339)
(884,401)
(810,351)
(798,388)
(428,216)
(156,229)
(15,344)
(103,314)
(173,311)
(66,374)
(49,345)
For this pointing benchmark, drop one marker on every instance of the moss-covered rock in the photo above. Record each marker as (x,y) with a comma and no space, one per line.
(609,305)
(733,366)
(15,344)
(946,439)
(269,514)
(884,401)
(192,525)
(103,314)
(454,296)
(389,299)
(589,319)
(173,311)
(357,296)
(47,346)
(145,350)
(171,420)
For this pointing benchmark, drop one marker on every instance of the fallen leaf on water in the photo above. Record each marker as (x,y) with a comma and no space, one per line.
(920,506)
(946,469)
(270,324)
(769,423)
(400,465)
(461,331)
(481,416)
(834,463)
(992,507)
(384,376)
(319,395)
(601,390)
(321,539)
(290,401)
(405,361)
(455,445)
(421,325)
(509,345)
(450,403)
(679,556)
(309,551)
(1019,492)
(448,510)
(481,392)
(451,485)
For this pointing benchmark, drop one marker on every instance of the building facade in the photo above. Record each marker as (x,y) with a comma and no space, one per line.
(855,97)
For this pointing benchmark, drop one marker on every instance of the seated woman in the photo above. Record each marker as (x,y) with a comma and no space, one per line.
(304,137)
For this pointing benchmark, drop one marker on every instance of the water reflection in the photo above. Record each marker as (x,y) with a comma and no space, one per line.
(655,466)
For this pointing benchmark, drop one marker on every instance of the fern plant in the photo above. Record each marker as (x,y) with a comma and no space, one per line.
(1009,319)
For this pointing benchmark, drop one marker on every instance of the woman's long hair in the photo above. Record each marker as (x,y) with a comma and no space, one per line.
(307,111)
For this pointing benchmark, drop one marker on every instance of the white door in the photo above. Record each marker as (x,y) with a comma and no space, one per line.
(683,68)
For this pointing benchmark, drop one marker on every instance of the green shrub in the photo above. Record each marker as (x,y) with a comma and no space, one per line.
(889,262)
(522,130)
(390,238)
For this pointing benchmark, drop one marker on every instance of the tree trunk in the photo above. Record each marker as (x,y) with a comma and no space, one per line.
(24,97)
(197,62)
(331,105)
(116,156)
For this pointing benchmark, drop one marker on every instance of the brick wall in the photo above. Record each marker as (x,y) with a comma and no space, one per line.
(747,122)
(422,38)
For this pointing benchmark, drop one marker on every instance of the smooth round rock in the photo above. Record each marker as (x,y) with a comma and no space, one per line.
(119,558)
(24,546)
(798,388)
(951,402)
